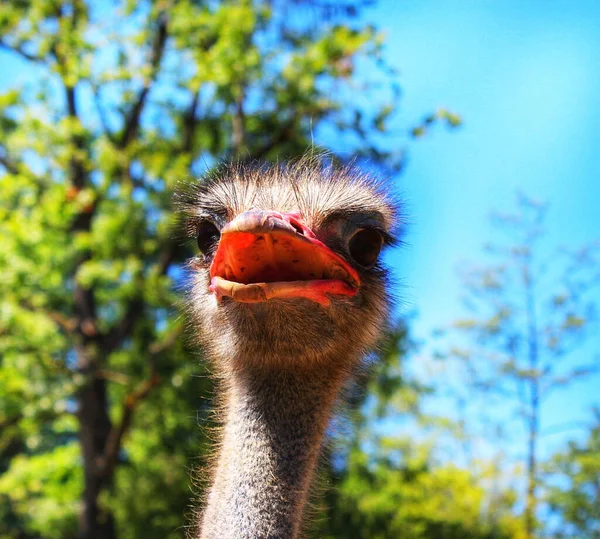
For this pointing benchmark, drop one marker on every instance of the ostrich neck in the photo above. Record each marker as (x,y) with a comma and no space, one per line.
(273,431)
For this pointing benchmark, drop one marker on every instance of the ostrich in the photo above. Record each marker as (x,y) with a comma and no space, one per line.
(287,296)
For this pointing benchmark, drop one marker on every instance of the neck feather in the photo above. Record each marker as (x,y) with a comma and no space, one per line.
(274,427)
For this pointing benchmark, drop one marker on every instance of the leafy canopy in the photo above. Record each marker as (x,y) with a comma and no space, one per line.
(113,104)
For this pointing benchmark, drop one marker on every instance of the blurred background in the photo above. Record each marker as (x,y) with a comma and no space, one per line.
(479,418)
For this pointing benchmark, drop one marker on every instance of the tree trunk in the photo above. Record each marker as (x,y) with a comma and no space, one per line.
(534,403)
(531,501)
(95,522)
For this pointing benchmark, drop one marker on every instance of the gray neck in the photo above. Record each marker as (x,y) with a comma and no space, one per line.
(273,431)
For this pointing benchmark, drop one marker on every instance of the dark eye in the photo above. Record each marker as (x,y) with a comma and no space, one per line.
(365,247)
(208,236)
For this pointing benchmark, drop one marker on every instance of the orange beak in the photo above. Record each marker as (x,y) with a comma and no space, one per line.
(265,255)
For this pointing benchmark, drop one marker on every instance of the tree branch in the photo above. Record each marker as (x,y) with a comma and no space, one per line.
(563,427)
(68,325)
(123,328)
(239,132)
(10,167)
(101,113)
(166,257)
(189,124)
(284,135)
(108,461)
(19,50)
(84,298)
(113,376)
(132,121)
(118,432)
(159,347)
(42,415)
(134,309)
(10,421)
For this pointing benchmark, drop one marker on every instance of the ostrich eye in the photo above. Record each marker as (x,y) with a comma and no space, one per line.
(365,247)
(208,235)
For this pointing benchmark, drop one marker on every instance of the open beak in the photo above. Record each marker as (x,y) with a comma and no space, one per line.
(265,255)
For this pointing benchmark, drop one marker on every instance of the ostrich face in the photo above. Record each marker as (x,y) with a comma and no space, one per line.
(289,263)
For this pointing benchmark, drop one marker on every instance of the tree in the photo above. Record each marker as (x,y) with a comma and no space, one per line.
(574,488)
(124,100)
(531,311)
(393,485)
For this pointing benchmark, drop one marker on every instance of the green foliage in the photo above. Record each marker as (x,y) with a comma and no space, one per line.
(43,490)
(450,119)
(399,492)
(121,101)
(574,487)
(388,485)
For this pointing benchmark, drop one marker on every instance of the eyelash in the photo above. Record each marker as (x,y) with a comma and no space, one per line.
(388,239)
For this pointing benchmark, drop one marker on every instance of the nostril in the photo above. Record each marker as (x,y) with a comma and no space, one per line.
(297,226)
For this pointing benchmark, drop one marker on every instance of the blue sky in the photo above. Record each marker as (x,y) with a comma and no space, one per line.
(525,77)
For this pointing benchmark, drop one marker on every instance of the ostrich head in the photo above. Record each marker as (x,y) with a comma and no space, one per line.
(288,272)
